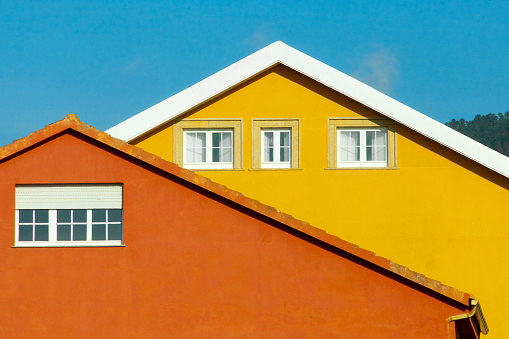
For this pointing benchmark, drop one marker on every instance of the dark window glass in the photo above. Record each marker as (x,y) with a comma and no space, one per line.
(79,232)
(114,232)
(26,216)
(216,139)
(215,155)
(99,215)
(79,216)
(115,215)
(99,232)
(41,216)
(64,232)
(26,232)
(63,216)
(41,232)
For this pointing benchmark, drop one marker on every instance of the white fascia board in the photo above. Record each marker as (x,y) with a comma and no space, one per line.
(395,110)
(279,52)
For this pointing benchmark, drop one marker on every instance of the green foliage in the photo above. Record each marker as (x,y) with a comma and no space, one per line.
(491,130)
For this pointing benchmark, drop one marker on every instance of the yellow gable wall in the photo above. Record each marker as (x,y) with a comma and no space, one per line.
(438,213)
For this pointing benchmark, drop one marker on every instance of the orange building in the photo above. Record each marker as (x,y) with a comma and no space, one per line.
(100,239)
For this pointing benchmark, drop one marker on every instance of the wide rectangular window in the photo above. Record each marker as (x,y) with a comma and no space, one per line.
(69,215)
(208,149)
(362,147)
(208,144)
(361,143)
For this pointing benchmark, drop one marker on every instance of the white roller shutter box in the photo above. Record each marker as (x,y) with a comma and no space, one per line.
(75,196)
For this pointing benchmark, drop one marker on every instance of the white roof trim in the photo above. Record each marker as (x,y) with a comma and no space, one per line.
(279,52)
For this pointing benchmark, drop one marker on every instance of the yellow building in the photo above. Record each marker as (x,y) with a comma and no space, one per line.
(294,133)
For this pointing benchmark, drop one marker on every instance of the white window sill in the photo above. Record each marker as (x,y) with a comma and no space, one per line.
(275,169)
(66,245)
(214,169)
(362,168)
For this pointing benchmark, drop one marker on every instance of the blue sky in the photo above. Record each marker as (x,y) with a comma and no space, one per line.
(108,60)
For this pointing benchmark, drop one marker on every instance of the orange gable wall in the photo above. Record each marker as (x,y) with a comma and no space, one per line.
(194,265)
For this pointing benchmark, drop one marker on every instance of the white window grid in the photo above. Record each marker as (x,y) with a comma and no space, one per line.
(276,150)
(357,154)
(210,154)
(53,227)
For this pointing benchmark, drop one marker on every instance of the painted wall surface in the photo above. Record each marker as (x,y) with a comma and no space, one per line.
(438,213)
(224,272)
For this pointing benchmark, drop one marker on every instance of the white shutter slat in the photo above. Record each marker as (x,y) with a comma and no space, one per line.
(76,196)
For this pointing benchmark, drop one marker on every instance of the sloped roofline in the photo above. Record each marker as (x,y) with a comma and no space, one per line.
(280,53)
(71,122)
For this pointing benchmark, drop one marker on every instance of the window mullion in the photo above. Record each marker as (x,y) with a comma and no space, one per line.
(52,228)
(89,225)
(277,146)
(208,147)
(362,144)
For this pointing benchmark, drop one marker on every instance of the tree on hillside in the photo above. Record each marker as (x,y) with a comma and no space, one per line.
(491,130)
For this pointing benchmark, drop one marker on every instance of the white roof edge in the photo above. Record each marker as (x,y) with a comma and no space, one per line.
(278,52)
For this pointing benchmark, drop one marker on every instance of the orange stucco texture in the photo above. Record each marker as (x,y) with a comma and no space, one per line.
(196,263)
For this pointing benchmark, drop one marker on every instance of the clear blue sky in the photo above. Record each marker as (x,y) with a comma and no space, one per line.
(108,60)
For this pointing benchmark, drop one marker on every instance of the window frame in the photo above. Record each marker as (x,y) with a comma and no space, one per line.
(360,124)
(197,125)
(53,229)
(59,197)
(260,125)
(208,163)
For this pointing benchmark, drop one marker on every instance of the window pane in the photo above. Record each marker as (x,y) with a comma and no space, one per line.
(99,232)
(195,139)
(268,146)
(41,232)
(268,138)
(115,232)
(268,154)
(195,155)
(215,155)
(227,139)
(79,215)
(79,232)
(284,154)
(227,155)
(63,216)
(99,215)
(26,216)
(284,139)
(115,215)
(370,153)
(25,233)
(349,146)
(195,147)
(381,153)
(370,135)
(381,138)
(41,216)
(64,232)
(216,139)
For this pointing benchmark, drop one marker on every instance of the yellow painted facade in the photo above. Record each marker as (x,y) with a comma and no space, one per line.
(436,212)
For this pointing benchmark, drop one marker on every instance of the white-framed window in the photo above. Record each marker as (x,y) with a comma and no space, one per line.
(276,148)
(362,147)
(208,148)
(68,215)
